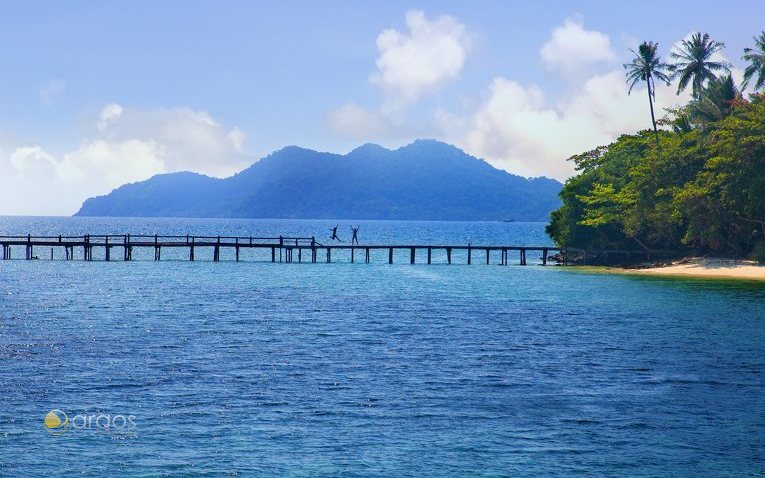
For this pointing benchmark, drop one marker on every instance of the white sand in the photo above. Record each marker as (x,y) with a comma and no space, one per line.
(704,267)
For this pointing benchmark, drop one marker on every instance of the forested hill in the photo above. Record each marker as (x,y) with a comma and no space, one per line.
(702,188)
(424,180)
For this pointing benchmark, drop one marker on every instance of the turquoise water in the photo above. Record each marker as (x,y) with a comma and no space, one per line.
(261,369)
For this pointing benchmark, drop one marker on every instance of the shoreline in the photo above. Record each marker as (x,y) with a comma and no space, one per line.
(698,268)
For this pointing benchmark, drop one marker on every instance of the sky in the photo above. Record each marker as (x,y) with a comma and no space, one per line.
(94,95)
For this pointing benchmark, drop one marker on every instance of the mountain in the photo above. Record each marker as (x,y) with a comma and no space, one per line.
(423,180)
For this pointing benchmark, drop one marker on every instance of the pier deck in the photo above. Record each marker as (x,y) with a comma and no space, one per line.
(282,249)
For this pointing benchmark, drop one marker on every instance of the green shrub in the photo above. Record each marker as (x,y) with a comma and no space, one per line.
(758,252)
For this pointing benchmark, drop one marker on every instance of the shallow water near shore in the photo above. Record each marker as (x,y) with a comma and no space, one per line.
(261,369)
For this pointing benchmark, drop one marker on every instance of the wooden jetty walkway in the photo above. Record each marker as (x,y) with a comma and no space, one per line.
(282,249)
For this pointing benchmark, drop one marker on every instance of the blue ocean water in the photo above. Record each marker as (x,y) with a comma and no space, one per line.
(261,369)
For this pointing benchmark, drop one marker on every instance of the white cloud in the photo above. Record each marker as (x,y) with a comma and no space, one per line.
(51,91)
(27,160)
(409,64)
(572,49)
(109,113)
(237,138)
(430,54)
(517,130)
(357,122)
(190,139)
(127,145)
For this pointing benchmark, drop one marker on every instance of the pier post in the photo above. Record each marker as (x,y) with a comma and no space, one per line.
(85,241)
(367,255)
(237,253)
(523,257)
(544,256)
(390,255)
(470,255)
(313,252)
(329,255)
(191,249)
(487,256)
(216,250)
(29,246)
(107,250)
(430,250)
(411,255)
(273,254)
(353,249)
(51,253)
(300,255)
(449,255)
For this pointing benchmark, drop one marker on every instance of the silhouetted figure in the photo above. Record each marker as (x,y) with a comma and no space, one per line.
(334,235)
(355,239)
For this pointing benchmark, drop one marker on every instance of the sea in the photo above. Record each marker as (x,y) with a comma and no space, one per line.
(252,368)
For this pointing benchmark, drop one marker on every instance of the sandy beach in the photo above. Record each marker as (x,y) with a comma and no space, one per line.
(706,267)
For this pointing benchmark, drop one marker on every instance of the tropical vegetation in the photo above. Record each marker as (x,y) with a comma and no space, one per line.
(697,185)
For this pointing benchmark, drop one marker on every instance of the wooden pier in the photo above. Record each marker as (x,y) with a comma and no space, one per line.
(281,249)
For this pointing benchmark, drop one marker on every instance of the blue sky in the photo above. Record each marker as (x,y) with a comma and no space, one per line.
(95,94)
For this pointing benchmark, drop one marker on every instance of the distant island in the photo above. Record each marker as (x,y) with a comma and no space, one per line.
(425,180)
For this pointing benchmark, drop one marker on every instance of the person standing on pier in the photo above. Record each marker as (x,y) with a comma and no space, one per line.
(355,239)
(334,235)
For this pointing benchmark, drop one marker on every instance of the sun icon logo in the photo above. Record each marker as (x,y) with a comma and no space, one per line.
(56,422)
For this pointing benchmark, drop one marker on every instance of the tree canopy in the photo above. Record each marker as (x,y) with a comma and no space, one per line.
(703,190)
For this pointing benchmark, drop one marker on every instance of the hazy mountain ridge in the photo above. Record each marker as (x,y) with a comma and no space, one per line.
(423,180)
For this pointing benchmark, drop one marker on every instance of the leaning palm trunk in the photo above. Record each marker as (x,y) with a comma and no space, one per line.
(653,117)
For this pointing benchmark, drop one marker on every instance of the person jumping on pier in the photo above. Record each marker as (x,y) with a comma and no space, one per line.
(355,239)
(334,235)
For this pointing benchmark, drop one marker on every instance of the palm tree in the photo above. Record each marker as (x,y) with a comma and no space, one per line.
(756,57)
(645,67)
(694,64)
(715,101)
